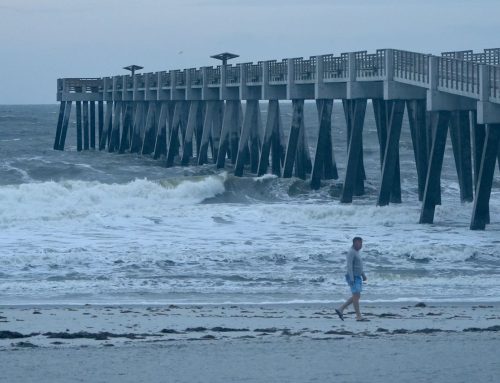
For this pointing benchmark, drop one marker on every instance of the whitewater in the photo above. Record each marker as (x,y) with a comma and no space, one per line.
(98,227)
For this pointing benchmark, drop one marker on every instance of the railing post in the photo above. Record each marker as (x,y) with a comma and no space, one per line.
(243,80)
(433,72)
(204,89)
(124,88)
(484,82)
(223,76)
(60,89)
(265,80)
(352,66)
(290,84)
(389,64)
(319,83)
(146,86)
(173,84)
(115,87)
(135,92)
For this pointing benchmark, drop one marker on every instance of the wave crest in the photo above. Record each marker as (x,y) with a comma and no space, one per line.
(72,199)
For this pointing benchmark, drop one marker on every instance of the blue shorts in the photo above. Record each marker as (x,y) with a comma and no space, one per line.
(357,286)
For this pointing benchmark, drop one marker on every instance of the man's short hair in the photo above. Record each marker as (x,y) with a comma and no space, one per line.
(357,239)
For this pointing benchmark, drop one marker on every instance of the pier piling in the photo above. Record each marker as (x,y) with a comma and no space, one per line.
(250,127)
(324,162)
(160,148)
(390,119)
(419,137)
(92,124)
(432,194)
(461,143)
(60,119)
(293,139)
(79,126)
(86,126)
(272,142)
(354,111)
(480,212)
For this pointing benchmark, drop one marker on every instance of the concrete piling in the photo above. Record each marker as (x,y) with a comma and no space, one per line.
(127,117)
(230,127)
(480,211)
(293,139)
(150,131)
(250,124)
(419,137)
(114,140)
(92,124)
(272,141)
(192,126)
(138,127)
(324,163)
(210,110)
(86,126)
(432,193)
(160,148)
(389,117)
(461,143)
(60,119)
(354,111)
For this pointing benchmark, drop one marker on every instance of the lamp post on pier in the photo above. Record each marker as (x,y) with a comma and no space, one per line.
(133,68)
(224,57)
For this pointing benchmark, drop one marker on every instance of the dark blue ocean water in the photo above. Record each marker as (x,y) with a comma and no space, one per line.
(101,227)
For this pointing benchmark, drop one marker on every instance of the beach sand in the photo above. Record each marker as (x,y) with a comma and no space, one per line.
(402,342)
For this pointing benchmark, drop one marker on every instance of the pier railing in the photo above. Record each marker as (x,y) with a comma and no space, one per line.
(335,68)
(140,81)
(165,79)
(152,80)
(495,84)
(304,70)
(253,73)
(370,67)
(458,73)
(79,85)
(128,82)
(180,79)
(411,67)
(458,77)
(213,76)
(196,77)
(233,74)
(489,56)
(278,71)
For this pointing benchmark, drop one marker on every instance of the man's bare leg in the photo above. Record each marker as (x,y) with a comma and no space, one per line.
(355,303)
(346,304)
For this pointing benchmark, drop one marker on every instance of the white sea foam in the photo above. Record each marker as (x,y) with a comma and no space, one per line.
(78,199)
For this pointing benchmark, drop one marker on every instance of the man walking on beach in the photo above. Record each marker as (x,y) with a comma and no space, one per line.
(354,277)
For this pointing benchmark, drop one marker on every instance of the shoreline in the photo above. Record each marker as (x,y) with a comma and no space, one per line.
(324,302)
(38,323)
(455,342)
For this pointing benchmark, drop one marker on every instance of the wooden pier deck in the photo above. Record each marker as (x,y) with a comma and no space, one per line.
(195,116)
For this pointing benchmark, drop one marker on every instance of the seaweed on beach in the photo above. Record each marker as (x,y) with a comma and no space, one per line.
(96,336)
(14,335)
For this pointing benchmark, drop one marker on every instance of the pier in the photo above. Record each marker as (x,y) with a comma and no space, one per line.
(195,116)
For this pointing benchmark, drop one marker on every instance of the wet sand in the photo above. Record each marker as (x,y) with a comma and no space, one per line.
(293,343)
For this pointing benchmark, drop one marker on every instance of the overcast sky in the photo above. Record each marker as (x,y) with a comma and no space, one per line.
(42,40)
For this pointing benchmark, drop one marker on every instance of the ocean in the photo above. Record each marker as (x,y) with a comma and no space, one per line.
(104,228)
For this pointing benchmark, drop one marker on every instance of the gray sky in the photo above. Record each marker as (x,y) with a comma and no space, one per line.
(42,40)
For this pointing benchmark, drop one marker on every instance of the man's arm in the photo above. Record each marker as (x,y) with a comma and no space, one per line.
(350,271)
